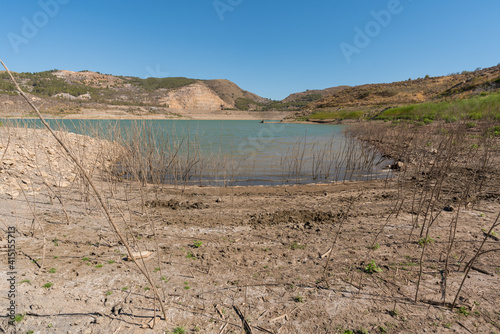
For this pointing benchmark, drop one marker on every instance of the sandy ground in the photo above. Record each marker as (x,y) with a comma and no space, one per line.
(122,113)
(292,259)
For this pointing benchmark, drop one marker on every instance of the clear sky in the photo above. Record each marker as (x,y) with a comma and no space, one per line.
(270,47)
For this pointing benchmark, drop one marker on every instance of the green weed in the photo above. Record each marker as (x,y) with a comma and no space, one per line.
(372,268)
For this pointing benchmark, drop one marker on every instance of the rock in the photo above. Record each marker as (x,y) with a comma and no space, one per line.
(219,200)
(12,194)
(8,162)
(51,151)
(398,165)
(99,320)
(140,255)
(62,184)
(448,208)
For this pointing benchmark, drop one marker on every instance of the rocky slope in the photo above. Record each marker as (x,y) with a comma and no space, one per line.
(67,90)
(319,93)
(379,96)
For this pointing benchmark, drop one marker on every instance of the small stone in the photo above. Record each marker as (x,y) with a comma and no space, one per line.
(51,151)
(140,255)
(219,200)
(13,194)
(8,162)
(62,184)
(398,165)
(448,208)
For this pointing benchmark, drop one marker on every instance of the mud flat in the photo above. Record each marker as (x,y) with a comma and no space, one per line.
(292,259)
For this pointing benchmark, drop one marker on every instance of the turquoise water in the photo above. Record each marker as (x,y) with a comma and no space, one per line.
(240,152)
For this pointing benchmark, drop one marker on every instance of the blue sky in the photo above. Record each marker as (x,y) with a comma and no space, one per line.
(272,48)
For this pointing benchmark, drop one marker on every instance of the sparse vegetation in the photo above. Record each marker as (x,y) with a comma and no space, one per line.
(19,317)
(151,84)
(295,245)
(463,311)
(372,268)
(337,115)
(179,330)
(298,298)
(474,108)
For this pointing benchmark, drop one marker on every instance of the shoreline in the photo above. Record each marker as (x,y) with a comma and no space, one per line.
(173,114)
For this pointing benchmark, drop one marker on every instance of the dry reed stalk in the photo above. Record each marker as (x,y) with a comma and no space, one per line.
(471,262)
(94,188)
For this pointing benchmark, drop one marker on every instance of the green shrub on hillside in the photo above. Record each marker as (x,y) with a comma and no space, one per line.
(42,83)
(475,108)
(243,104)
(339,115)
(293,105)
(151,84)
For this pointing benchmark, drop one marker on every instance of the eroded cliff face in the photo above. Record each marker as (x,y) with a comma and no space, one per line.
(196,96)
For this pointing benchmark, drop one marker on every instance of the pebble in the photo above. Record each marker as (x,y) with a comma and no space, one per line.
(12,194)
(448,208)
(62,184)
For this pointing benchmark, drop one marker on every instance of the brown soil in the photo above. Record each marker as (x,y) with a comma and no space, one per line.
(263,250)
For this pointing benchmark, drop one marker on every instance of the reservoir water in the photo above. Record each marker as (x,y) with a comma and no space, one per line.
(234,152)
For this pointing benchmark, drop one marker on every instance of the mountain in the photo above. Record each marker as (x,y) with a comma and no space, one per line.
(373,98)
(67,89)
(315,93)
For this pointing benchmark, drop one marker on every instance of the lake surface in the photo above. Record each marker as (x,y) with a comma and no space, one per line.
(235,152)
